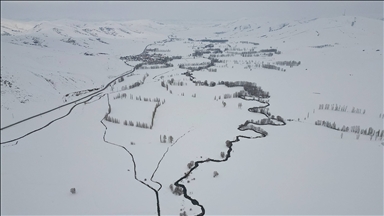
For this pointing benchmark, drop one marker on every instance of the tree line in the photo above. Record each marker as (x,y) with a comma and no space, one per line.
(267,121)
(248,126)
(251,88)
(166,65)
(336,107)
(124,96)
(353,129)
(288,63)
(109,118)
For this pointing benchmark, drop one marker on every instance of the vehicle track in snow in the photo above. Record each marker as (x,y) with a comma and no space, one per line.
(132,158)
(88,98)
(158,164)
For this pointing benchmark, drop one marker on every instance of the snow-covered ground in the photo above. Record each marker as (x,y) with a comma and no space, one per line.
(299,168)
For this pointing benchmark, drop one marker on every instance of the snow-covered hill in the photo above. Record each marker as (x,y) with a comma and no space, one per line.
(58,57)
(102,82)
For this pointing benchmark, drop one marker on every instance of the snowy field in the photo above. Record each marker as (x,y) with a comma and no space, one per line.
(206,150)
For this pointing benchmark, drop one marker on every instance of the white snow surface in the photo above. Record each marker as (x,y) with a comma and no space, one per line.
(298,169)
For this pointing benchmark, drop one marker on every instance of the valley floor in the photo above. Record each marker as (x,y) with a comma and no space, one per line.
(137,140)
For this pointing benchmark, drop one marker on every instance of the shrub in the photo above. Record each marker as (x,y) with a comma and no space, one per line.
(178,191)
(190,164)
(222,154)
(226,96)
(228,143)
(73,190)
(215,173)
(279,118)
